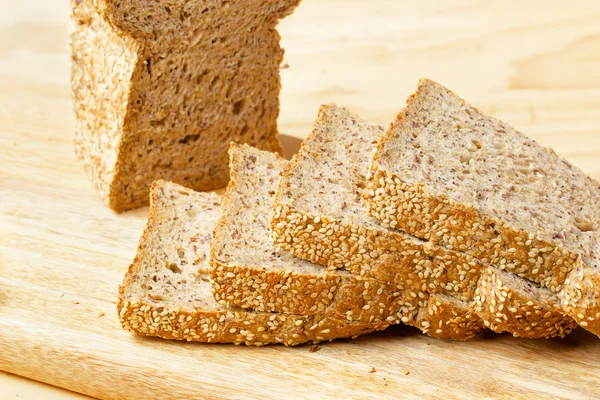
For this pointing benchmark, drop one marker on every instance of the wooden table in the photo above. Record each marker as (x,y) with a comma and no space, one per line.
(535,64)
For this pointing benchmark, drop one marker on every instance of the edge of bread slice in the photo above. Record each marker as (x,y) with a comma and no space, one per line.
(505,300)
(167,293)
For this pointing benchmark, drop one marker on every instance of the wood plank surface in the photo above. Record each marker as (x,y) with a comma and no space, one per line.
(535,64)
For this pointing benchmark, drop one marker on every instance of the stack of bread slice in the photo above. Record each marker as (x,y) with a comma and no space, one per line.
(449,221)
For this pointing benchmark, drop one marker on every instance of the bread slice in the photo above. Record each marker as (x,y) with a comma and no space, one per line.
(248,271)
(167,292)
(447,173)
(161,88)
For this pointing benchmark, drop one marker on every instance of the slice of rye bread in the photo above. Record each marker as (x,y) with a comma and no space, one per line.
(161,87)
(319,216)
(249,272)
(167,292)
(447,173)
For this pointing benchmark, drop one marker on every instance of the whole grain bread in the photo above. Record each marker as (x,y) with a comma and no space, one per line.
(167,293)
(161,88)
(319,216)
(447,173)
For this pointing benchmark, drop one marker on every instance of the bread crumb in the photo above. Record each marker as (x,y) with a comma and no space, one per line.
(406,372)
(372,370)
(62,294)
(75,301)
(101,314)
(314,348)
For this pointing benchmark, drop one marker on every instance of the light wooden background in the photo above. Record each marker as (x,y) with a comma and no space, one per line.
(535,64)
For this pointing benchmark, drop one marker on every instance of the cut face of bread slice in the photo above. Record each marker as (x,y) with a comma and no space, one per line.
(167,292)
(446,172)
(161,87)
(248,271)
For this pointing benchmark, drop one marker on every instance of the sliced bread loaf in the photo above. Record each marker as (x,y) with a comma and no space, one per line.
(161,87)
(167,292)
(319,216)
(446,172)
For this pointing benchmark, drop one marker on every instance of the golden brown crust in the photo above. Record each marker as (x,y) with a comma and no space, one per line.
(376,253)
(347,298)
(235,326)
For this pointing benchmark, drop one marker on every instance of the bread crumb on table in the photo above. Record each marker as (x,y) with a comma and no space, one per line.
(314,348)
(372,370)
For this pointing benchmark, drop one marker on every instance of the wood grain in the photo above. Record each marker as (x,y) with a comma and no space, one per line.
(62,253)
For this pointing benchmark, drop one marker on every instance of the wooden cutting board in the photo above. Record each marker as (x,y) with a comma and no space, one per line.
(62,253)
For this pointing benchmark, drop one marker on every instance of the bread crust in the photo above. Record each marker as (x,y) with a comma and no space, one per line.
(219,324)
(580,297)
(444,318)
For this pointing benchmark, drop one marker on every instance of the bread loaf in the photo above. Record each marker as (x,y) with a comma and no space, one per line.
(161,88)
